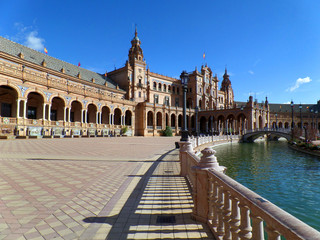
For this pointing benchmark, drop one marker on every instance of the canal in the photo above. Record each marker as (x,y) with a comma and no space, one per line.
(287,178)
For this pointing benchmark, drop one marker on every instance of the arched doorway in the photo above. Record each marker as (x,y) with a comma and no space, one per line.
(57,109)
(105,115)
(8,102)
(92,113)
(117,116)
(180,121)
(159,120)
(34,106)
(128,118)
(75,114)
(150,119)
(173,120)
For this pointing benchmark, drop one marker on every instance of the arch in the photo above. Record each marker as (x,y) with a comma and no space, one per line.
(105,115)
(169,88)
(35,102)
(164,87)
(128,118)
(12,86)
(159,120)
(75,113)
(154,85)
(57,109)
(260,122)
(117,116)
(173,120)
(180,120)
(286,125)
(159,86)
(8,101)
(280,125)
(92,113)
(150,119)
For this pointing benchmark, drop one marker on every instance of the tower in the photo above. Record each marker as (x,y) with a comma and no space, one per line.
(227,89)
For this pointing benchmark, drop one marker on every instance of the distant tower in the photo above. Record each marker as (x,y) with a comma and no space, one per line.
(135,52)
(227,88)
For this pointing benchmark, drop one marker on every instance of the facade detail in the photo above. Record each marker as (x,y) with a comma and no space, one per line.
(41,96)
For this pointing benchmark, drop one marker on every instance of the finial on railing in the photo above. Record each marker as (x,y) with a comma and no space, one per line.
(209,160)
(186,146)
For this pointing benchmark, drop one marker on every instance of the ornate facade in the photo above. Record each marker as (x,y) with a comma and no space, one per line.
(41,96)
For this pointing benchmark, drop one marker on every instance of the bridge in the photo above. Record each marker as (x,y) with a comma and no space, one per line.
(251,135)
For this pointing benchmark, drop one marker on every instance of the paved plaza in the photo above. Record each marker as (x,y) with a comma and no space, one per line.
(94,188)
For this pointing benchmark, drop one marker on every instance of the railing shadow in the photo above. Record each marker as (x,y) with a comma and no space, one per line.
(159,207)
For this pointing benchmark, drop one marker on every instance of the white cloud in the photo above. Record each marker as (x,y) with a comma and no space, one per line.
(28,36)
(34,42)
(251,72)
(298,83)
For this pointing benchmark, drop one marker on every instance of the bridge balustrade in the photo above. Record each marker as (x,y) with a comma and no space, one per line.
(231,210)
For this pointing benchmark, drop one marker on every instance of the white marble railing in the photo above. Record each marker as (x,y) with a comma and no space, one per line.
(198,141)
(283,130)
(231,210)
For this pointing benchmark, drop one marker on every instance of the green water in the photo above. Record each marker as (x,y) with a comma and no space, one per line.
(287,178)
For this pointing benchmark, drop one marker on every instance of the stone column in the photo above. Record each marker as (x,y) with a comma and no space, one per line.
(82,110)
(69,115)
(25,109)
(44,111)
(97,117)
(18,108)
(86,116)
(184,148)
(110,118)
(100,117)
(49,113)
(64,114)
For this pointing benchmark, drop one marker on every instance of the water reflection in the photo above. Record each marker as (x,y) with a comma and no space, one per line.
(285,177)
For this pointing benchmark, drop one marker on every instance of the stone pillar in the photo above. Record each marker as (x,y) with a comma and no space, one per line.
(69,115)
(97,117)
(44,111)
(86,116)
(100,117)
(184,148)
(25,109)
(110,118)
(64,114)
(49,112)
(207,161)
(18,108)
(82,110)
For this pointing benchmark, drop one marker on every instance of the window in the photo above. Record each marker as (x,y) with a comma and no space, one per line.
(177,102)
(159,87)
(166,101)
(154,86)
(156,99)
(169,88)
(139,94)
(164,87)
(32,112)
(178,90)
(173,89)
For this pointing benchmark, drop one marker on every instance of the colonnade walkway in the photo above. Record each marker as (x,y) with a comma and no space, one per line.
(95,188)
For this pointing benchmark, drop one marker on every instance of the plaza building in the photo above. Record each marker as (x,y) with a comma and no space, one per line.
(41,96)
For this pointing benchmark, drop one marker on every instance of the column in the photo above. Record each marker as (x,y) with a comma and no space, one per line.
(49,113)
(25,109)
(97,117)
(69,115)
(124,120)
(44,111)
(121,120)
(64,114)
(86,116)
(18,108)
(110,118)
(82,115)
(100,117)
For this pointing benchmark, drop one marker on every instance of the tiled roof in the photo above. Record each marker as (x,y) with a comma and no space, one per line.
(33,56)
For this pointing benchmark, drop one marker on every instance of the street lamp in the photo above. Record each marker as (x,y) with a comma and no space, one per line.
(276,121)
(300,107)
(184,80)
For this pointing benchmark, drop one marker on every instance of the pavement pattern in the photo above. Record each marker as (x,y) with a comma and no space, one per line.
(94,188)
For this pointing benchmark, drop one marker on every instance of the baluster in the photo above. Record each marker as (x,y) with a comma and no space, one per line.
(257,227)
(215,208)
(245,228)
(235,218)
(227,215)
(272,233)
(210,199)
(220,206)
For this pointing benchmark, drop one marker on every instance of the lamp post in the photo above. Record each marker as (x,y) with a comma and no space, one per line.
(196,120)
(184,80)
(300,107)
(276,121)
(292,123)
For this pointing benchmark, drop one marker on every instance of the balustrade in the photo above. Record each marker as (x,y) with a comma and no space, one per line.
(232,211)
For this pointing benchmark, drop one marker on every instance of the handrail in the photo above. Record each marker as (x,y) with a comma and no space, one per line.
(231,210)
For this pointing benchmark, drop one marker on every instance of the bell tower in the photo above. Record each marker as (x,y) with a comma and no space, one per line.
(138,76)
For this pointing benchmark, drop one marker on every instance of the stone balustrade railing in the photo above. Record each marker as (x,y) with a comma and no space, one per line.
(231,210)
(198,141)
(284,130)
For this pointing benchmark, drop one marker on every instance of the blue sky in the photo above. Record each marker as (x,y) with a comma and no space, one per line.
(271,48)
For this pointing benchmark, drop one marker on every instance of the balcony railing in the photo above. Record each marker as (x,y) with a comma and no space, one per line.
(231,210)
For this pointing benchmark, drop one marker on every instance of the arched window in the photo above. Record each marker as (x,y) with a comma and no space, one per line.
(159,87)
(154,86)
